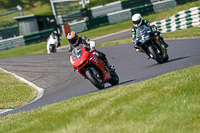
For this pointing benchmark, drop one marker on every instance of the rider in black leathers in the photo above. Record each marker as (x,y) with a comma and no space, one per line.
(137,21)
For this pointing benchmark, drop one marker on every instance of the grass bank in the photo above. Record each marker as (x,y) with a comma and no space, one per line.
(168,103)
(40,48)
(13,92)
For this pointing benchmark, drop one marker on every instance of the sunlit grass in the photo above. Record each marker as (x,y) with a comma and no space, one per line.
(168,103)
(13,92)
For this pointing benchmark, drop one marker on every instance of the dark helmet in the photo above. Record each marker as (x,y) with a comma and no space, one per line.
(73,38)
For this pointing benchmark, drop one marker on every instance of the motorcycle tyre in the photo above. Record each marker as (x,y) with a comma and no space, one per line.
(165,56)
(93,80)
(114,78)
(52,48)
(59,44)
(156,56)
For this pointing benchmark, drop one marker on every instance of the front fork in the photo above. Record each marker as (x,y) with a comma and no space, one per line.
(144,48)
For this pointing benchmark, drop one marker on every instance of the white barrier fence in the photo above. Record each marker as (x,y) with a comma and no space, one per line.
(123,15)
(181,20)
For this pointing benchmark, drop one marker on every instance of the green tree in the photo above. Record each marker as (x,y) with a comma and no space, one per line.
(24,3)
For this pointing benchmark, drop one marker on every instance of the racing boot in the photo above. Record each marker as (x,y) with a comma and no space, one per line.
(161,37)
(109,66)
(166,45)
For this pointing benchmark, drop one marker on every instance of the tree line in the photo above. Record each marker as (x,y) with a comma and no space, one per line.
(30,3)
(23,3)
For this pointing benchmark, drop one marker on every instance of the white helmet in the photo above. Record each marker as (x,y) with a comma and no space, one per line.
(137,20)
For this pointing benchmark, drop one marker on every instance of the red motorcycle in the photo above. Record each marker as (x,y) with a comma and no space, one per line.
(92,68)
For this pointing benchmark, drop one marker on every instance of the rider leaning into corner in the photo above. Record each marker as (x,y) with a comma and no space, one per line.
(76,41)
(55,33)
(137,21)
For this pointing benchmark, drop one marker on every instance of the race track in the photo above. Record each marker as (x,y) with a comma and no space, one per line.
(55,74)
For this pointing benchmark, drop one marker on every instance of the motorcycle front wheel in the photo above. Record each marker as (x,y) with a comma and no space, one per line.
(165,56)
(52,48)
(114,78)
(154,52)
(94,79)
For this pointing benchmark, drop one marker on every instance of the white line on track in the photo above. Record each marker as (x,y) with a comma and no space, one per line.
(39,95)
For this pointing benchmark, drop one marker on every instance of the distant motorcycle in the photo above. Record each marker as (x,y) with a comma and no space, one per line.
(52,44)
(150,43)
(92,68)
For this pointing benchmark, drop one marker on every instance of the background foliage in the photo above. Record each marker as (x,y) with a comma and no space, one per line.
(35,7)
(23,3)
(31,3)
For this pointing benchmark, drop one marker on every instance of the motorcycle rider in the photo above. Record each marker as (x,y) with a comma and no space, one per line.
(55,33)
(52,39)
(76,41)
(137,21)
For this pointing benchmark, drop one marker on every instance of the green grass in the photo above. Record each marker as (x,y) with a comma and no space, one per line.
(39,48)
(168,103)
(186,33)
(14,93)
(37,9)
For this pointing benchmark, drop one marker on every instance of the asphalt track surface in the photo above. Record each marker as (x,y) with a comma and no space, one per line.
(55,74)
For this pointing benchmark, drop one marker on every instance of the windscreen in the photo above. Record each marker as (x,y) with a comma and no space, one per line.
(142,34)
(76,52)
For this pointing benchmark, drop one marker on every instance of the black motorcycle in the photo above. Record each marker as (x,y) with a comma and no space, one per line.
(150,43)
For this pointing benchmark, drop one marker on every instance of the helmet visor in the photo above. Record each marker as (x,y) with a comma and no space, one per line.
(137,22)
(72,41)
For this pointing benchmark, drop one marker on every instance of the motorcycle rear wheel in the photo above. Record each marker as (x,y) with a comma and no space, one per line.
(94,79)
(114,78)
(155,54)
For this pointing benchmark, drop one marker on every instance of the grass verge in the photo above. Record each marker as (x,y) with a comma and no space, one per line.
(13,92)
(40,48)
(168,103)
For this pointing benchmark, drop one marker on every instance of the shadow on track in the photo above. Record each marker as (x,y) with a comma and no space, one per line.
(171,60)
(121,83)
(179,58)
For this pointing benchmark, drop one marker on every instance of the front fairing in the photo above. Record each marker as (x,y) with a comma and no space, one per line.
(77,52)
(80,56)
(143,34)
(101,66)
